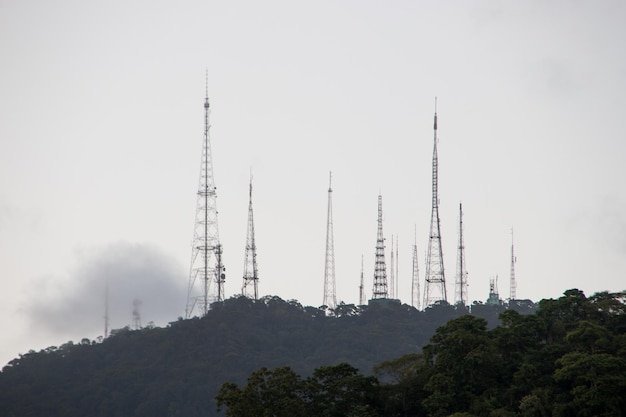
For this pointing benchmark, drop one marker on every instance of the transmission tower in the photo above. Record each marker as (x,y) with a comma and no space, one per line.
(392,272)
(513,283)
(330,298)
(250,286)
(362,286)
(380,269)
(206,270)
(460,296)
(397,286)
(435,278)
(415,279)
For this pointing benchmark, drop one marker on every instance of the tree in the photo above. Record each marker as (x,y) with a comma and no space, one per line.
(465,367)
(331,391)
(276,393)
(403,382)
(340,391)
(596,383)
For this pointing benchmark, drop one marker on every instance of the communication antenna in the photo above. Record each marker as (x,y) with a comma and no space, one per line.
(380,268)
(494,294)
(415,279)
(435,277)
(330,298)
(362,286)
(250,286)
(397,286)
(392,272)
(461,296)
(513,283)
(207,273)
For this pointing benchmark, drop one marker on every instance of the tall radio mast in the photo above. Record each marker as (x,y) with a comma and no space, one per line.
(206,268)
(397,284)
(362,286)
(380,269)
(415,279)
(330,298)
(460,296)
(435,277)
(392,272)
(250,286)
(513,283)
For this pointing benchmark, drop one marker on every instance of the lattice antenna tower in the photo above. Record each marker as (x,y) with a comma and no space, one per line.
(330,298)
(397,285)
(380,268)
(250,286)
(206,276)
(461,284)
(435,277)
(392,272)
(362,286)
(415,279)
(513,283)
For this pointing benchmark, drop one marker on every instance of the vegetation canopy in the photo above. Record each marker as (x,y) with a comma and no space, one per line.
(274,357)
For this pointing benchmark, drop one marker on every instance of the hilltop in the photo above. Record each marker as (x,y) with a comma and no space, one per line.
(178,369)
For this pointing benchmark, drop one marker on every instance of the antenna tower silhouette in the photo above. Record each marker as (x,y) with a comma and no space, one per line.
(494,295)
(330,298)
(206,268)
(362,286)
(250,286)
(513,283)
(380,269)
(460,296)
(392,272)
(415,279)
(435,278)
(397,286)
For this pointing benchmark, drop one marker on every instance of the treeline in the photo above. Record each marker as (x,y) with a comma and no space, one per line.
(178,370)
(568,359)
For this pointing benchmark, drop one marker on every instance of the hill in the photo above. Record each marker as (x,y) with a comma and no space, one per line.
(177,370)
(568,359)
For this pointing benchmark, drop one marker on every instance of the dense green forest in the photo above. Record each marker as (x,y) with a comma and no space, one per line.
(568,359)
(177,370)
(401,362)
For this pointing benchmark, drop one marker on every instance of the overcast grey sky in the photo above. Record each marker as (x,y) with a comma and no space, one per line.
(101,133)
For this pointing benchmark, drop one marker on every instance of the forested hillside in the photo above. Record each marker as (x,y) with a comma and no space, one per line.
(568,359)
(178,370)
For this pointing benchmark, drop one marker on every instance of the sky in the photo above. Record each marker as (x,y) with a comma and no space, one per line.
(101,133)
